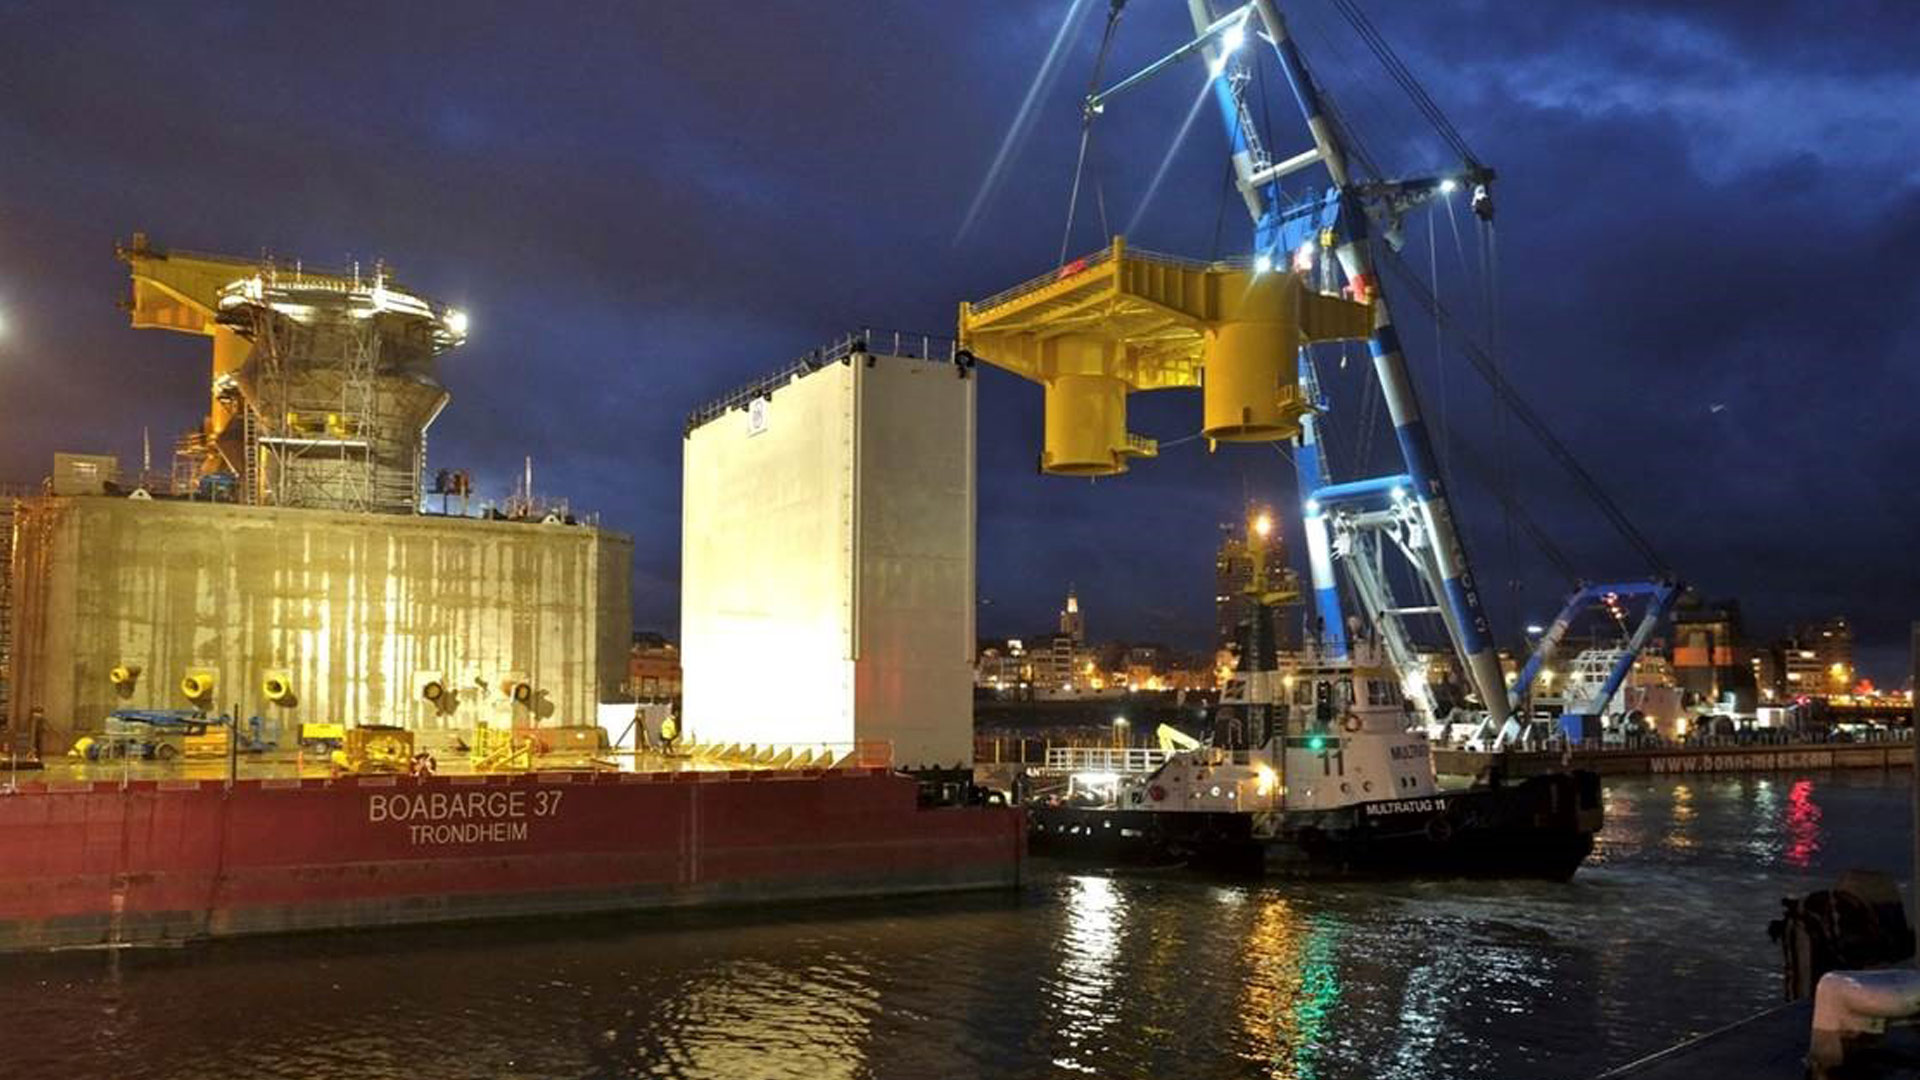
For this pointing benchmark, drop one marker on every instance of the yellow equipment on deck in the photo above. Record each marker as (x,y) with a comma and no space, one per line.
(565,746)
(1120,321)
(375,748)
(213,741)
(318,736)
(501,749)
(1172,739)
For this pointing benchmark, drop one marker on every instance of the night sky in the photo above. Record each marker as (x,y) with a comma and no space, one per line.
(1709,227)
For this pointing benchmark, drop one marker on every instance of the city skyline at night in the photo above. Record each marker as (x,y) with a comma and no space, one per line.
(1704,219)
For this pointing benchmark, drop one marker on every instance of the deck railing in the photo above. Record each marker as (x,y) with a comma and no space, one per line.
(910,344)
(1098,258)
(1105,759)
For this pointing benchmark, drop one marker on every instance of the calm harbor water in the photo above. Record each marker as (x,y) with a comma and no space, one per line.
(1662,935)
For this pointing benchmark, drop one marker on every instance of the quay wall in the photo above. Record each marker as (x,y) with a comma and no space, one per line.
(1688,759)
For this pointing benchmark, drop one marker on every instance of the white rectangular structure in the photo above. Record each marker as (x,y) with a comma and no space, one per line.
(827,563)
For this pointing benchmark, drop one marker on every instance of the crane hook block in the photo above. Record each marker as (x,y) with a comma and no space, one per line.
(1123,321)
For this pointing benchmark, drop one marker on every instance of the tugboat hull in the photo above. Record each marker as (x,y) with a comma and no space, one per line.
(1542,827)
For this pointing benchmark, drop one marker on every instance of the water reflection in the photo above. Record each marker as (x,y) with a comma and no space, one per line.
(1803,825)
(1292,987)
(1132,975)
(1423,1007)
(1681,820)
(751,1017)
(1089,942)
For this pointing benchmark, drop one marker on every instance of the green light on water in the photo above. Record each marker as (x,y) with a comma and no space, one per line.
(1319,994)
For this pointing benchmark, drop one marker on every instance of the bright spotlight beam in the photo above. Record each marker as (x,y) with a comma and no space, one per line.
(1023,119)
(1166,162)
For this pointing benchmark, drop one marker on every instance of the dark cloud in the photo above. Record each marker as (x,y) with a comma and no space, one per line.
(1710,204)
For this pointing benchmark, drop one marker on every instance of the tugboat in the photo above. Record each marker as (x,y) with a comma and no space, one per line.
(1316,767)
(1334,783)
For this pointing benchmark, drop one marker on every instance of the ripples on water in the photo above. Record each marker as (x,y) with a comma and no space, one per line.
(1161,975)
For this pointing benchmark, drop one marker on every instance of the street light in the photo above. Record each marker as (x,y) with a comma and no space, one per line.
(1119,731)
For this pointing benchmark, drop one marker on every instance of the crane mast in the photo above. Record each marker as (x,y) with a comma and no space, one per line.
(1122,321)
(1426,527)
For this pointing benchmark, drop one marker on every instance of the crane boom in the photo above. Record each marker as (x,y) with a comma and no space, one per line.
(1461,609)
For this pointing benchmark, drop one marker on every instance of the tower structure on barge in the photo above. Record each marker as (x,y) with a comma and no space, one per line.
(323,384)
(290,570)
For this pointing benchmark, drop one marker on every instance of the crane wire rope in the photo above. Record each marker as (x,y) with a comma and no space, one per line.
(1472,464)
(1220,213)
(1086,129)
(1523,412)
(1480,358)
(1508,402)
(1362,87)
(1503,417)
(1445,449)
(1397,70)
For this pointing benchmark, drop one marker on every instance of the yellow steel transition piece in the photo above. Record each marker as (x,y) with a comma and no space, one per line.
(1121,321)
(181,291)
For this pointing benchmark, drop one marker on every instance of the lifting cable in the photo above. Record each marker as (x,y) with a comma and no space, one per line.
(1370,398)
(1086,127)
(1503,412)
(1473,465)
(1397,69)
(1445,449)
(1521,411)
(1220,214)
(1362,84)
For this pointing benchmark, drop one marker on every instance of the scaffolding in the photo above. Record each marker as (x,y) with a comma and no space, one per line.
(8,500)
(308,429)
(338,389)
(18,609)
(324,382)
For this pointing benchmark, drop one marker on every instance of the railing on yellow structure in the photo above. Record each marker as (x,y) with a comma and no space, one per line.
(1118,249)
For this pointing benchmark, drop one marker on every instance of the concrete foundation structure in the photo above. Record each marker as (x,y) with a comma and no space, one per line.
(827,572)
(356,611)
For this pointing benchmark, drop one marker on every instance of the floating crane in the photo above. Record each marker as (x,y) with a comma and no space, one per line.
(1313,276)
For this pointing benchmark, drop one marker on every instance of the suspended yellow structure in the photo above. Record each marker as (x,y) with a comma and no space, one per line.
(1121,321)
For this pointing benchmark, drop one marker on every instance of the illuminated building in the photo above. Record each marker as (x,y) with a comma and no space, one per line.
(1708,657)
(1814,661)
(1005,668)
(1233,572)
(1072,623)
(653,668)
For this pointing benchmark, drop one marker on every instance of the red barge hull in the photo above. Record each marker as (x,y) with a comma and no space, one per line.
(157,862)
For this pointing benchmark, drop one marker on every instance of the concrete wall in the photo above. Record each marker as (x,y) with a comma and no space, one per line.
(827,570)
(358,609)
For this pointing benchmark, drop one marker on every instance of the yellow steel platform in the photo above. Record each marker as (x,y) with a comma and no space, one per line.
(1121,320)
